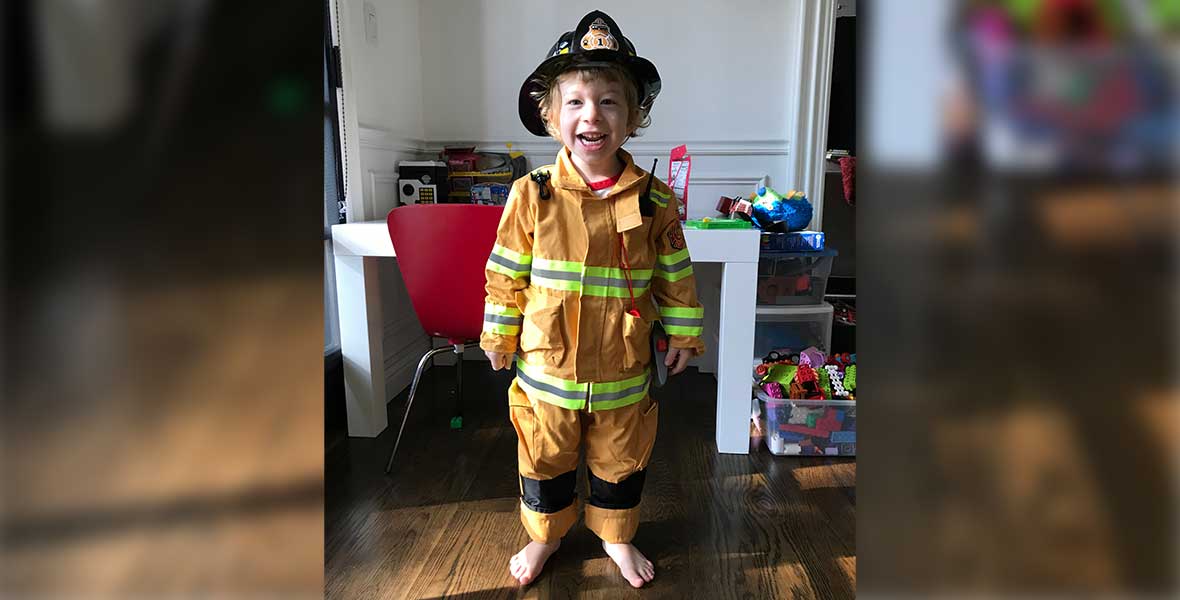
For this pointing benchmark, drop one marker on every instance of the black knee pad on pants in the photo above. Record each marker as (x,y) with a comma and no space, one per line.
(616,496)
(548,495)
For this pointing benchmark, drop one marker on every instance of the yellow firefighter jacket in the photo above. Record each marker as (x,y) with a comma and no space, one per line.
(557,292)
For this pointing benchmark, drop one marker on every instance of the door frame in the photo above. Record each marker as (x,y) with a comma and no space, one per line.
(809,124)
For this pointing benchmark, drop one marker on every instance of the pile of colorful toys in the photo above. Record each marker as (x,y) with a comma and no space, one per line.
(770,210)
(808,375)
(806,403)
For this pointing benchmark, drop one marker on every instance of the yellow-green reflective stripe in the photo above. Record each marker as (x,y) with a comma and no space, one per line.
(573,395)
(557,284)
(570,276)
(501,328)
(611,282)
(685,312)
(563,275)
(674,267)
(597,282)
(622,384)
(506,271)
(621,402)
(617,273)
(550,264)
(602,291)
(562,385)
(501,319)
(614,394)
(512,255)
(673,258)
(611,292)
(681,330)
(545,396)
(660,198)
(504,319)
(501,309)
(674,277)
(682,320)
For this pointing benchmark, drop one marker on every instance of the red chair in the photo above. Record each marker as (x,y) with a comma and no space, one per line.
(441,252)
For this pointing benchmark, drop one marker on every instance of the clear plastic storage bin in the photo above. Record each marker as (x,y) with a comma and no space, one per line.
(794,277)
(807,427)
(792,328)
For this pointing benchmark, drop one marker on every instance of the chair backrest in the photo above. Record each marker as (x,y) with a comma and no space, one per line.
(442,250)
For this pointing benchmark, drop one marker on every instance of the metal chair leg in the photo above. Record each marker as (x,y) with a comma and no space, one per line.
(457,418)
(410,401)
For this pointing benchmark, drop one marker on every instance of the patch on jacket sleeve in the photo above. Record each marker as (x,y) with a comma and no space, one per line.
(676,238)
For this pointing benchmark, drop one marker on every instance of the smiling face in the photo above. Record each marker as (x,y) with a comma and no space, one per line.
(592,114)
(592,122)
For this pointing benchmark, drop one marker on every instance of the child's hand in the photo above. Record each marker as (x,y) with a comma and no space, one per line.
(679,357)
(499,360)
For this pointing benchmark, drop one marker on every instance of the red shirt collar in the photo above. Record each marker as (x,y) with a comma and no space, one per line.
(604,184)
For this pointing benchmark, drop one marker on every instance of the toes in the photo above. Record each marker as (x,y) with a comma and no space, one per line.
(636,582)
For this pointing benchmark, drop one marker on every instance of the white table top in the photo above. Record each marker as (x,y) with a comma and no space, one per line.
(371,238)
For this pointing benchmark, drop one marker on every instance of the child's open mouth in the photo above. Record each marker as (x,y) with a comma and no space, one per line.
(592,141)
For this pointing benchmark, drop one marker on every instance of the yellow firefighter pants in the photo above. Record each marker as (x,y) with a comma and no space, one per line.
(618,445)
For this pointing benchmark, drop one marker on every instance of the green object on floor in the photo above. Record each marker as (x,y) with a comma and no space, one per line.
(456,422)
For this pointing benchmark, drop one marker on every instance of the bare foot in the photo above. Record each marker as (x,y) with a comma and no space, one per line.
(526,564)
(634,565)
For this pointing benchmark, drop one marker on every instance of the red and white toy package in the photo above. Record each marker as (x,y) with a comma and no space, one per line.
(678,169)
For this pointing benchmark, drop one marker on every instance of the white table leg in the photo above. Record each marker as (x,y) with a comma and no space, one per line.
(361,329)
(735,347)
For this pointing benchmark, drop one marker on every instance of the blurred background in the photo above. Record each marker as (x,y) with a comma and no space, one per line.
(1018,297)
(162,297)
(162,373)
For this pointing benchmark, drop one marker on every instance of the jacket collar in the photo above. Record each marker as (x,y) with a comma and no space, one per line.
(566,176)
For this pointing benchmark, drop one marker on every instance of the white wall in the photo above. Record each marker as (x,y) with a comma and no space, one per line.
(384,81)
(728,72)
(720,62)
(387,74)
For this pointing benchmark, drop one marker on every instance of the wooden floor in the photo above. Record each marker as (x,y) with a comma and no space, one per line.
(446,520)
(139,469)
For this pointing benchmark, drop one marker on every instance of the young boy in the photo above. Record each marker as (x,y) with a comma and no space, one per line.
(584,248)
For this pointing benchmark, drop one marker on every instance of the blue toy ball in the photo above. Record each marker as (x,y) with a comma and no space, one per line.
(794,213)
(772,211)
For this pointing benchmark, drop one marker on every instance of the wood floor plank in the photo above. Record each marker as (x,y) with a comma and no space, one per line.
(475,564)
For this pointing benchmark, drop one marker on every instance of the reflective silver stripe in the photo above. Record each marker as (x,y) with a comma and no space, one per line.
(557,274)
(676,267)
(552,389)
(490,318)
(682,322)
(612,282)
(504,262)
(608,396)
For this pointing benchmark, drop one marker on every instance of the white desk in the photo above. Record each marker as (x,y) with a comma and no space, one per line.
(357,247)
